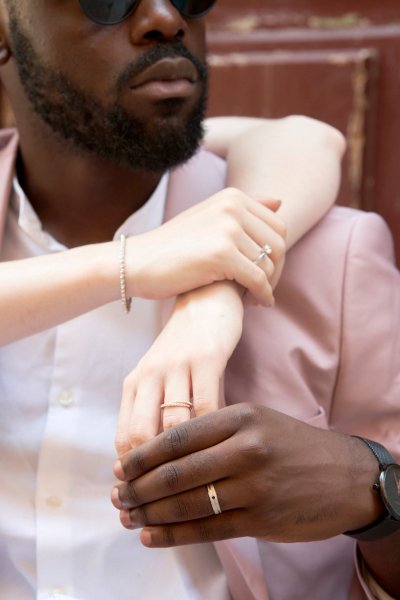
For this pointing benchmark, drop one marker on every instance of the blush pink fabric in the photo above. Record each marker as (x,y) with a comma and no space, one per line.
(328,354)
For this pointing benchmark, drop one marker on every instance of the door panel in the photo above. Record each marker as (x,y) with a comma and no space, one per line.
(337,61)
(280,83)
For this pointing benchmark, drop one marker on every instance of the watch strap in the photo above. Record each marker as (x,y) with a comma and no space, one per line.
(384,526)
(379,529)
(382,455)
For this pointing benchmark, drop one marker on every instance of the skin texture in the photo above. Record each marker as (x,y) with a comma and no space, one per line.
(314,459)
(63,39)
(304,497)
(96,60)
(188,359)
(110,130)
(62,286)
(60,39)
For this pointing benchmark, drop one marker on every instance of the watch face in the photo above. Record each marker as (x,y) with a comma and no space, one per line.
(390,488)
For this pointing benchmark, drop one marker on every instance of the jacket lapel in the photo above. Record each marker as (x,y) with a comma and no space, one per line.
(8,153)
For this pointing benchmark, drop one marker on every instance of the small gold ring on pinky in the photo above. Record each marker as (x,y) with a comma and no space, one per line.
(264,251)
(182,404)
(212,494)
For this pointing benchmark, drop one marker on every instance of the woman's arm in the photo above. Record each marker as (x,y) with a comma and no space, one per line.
(296,159)
(37,293)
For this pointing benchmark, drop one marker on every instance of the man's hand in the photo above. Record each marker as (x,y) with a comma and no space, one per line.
(275,478)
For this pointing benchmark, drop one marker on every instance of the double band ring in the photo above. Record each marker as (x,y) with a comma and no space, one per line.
(180,404)
(264,251)
(212,494)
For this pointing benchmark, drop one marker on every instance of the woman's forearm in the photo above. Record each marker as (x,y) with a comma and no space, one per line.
(295,159)
(38,293)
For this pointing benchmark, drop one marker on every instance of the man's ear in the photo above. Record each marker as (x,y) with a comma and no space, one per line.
(5,51)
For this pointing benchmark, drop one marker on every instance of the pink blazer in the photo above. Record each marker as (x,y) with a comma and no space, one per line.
(328,354)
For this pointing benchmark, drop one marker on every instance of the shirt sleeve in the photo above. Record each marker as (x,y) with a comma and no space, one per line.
(367,393)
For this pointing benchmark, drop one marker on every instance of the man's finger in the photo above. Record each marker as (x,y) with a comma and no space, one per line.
(210,529)
(194,435)
(188,506)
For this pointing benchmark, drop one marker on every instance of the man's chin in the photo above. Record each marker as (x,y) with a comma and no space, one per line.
(169,151)
(166,144)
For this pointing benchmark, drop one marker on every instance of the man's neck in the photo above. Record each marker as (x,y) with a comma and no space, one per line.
(80,199)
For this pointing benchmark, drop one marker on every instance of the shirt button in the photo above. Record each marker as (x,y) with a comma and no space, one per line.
(53,501)
(66,398)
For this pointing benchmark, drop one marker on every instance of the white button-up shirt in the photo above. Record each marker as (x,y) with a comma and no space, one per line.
(60,537)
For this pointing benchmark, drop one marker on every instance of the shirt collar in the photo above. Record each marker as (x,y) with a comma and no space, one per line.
(148,217)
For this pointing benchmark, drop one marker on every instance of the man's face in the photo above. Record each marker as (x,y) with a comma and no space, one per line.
(133,93)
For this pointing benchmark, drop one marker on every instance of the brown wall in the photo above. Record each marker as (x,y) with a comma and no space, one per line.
(336,60)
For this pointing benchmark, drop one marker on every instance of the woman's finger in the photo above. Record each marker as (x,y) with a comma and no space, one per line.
(263,234)
(261,209)
(122,444)
(177,404)
(144,419)
(205,387)
(250,276)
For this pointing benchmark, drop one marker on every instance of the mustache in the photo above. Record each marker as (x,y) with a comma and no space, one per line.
(156,53)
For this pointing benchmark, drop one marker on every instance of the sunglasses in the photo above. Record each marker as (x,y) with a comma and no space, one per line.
(111,12)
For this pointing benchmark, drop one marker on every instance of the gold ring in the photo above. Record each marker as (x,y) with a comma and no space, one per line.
(212,494)
(181,404)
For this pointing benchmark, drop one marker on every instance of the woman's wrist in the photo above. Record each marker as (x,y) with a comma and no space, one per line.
(99,265)
(227,294)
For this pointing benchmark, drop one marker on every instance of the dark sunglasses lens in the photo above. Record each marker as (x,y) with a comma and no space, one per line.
(107,12)
(193,8)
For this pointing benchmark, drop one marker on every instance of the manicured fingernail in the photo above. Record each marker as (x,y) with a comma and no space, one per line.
(115,498)
(118,471)
(125,519)
(145,537)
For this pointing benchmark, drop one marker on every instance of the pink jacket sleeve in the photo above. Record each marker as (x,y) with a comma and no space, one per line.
(367,393)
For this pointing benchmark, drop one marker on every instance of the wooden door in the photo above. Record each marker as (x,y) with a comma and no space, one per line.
(337,61)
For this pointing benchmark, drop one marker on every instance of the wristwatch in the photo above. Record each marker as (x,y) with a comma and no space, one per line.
(388,486)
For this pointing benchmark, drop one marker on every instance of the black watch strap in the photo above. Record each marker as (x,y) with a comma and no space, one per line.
(384,526)
(382,455)
(377,530)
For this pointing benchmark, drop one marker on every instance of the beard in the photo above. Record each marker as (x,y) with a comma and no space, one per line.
(110,133)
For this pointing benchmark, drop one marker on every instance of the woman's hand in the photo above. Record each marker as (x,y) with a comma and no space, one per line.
(215,240)
(185,363)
